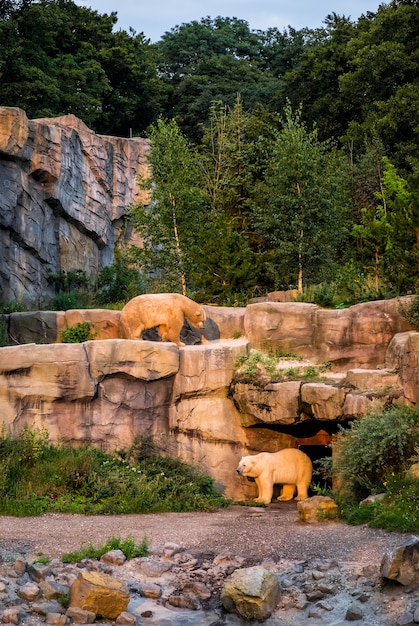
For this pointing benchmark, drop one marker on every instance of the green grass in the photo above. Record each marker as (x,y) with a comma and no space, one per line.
(39,477)
(397,512)
(128,546)
(256,367)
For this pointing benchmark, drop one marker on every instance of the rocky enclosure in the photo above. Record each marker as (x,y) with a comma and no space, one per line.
(64,193)
(110,390)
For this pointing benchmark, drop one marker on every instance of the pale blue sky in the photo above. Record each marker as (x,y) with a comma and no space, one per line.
(155,18)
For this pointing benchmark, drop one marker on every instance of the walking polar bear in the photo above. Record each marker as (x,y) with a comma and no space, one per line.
(166,311)
(290,467)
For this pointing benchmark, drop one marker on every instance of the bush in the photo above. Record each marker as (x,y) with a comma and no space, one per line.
(39,477)
(374,447)
(78,333)
(410,311)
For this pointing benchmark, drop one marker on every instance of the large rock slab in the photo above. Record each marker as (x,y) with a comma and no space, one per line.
(281,326)
(347,338)
(207,368)
(66,191)
(101,392)
(403,355)
(276,403)
(325,402)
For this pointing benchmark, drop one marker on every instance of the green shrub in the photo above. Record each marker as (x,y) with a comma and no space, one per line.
(39,477)
(78,333)
(372,448)
(71,300)
(410,311)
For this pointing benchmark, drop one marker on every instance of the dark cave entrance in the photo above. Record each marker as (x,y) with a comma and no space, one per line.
(314,438)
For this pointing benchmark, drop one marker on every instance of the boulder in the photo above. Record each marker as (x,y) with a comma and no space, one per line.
(224,322)
(283,327)
(402,563)
(325,401)
(367,379)
(252,593)
(276,403)
(403,354)
(104,322)
(317,509)
(99,593)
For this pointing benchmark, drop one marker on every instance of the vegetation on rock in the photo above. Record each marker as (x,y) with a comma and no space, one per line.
(372,457)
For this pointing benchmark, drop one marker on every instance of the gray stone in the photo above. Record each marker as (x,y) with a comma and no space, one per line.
(402,563)
(406,619)
(354,613)
(252,593)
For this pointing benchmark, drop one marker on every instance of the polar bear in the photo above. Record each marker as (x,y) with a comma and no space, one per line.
(289,467)
(166,311)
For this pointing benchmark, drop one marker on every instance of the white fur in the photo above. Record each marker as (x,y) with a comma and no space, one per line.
(288,467)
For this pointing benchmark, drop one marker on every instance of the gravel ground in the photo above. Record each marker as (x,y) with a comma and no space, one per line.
(256,533)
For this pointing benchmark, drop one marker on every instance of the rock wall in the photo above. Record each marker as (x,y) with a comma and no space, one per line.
(64,192)
(191,400)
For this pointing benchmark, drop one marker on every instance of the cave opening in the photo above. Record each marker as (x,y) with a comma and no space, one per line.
(314,437)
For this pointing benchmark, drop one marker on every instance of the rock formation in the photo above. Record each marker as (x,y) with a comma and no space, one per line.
(192,400)
(64,194)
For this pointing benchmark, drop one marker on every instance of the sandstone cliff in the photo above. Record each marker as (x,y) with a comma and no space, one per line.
(64,192)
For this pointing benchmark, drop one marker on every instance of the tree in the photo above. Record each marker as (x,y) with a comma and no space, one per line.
(314,81)
(212,60)
(57,57)
(388,234)
(171,221)
(303,219)
(381,80)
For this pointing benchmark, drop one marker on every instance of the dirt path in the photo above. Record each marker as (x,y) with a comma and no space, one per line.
(273,532)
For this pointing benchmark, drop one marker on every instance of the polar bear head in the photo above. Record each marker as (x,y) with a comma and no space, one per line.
(246,466)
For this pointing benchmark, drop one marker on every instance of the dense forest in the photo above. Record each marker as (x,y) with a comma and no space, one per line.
(280,159)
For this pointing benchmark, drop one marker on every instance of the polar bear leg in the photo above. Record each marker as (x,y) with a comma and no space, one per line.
(170,334)
(287,493)
(302,491)
(265,489)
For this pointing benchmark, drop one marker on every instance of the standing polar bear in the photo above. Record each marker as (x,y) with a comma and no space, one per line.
(289,467)
(166,311)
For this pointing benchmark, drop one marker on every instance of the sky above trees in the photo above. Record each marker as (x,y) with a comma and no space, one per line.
(155,18)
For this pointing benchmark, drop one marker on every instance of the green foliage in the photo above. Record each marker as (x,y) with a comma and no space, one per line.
(83,331)
(387,235)
(119,282)
(304,217)
(57,57)
(39,477)
(169,225)
(74,290)
(410,311)
(259,369)
(397,512)
(128,546)
(372,448)
(12,307)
